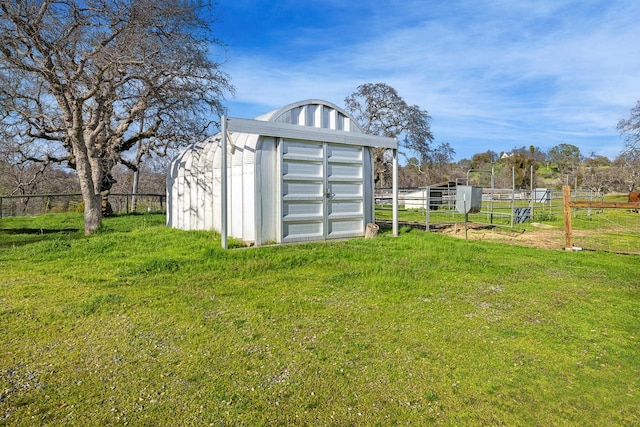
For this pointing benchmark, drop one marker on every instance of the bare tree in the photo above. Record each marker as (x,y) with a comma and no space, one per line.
(630,128)
(628,162)
(20,175)
(599,179)
(78,77)
(627,167)
(438,163)
(379,110)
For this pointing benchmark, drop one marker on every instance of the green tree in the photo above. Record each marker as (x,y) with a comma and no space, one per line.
(480,160)
(524,162)
(594,161)
(566,156)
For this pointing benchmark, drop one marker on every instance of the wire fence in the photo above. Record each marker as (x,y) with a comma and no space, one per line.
(540,211)
(38,204)
(499,207)
(612,225)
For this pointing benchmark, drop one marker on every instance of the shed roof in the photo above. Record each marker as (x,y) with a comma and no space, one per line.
(314,113)
(312,119)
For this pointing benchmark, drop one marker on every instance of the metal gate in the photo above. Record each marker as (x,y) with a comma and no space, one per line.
(322,190)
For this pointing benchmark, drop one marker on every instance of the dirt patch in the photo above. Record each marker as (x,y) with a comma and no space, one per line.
(542,236)
(547,237)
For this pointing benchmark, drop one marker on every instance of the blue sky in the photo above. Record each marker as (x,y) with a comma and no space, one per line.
(493,74)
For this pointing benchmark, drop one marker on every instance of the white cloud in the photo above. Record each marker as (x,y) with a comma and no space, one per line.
(506,73)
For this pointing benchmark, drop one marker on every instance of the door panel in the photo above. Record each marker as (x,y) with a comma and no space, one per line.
(345,171)
(303,189)
(302,209)
(344,227)
(341,208)
(301,169)
(303,150)
(345,153)
(306,230)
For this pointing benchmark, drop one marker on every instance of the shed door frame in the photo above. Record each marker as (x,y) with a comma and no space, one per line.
(322,190)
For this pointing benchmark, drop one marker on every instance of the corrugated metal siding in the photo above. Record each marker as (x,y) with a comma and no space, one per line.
(267,217)
(316,115)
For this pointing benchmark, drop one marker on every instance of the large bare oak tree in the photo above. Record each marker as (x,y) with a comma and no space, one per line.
(628,161)
(630,128)
(84,81)
(380,110)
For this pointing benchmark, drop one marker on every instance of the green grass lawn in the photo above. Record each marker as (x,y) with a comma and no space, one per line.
(144,325)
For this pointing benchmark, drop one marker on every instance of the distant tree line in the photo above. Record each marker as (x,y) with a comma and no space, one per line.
(380,110)
(527,167)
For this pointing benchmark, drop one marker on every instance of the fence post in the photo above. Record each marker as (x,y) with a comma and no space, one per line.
(566,195)
(428,213)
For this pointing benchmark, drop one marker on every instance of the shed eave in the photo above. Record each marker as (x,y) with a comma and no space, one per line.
(285,130)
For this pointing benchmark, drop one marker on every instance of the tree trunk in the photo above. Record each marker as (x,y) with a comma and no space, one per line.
(92,212)
(371,231)
(379,167)
(90,195)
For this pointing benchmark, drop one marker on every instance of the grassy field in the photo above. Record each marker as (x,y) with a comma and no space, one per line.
(144,325)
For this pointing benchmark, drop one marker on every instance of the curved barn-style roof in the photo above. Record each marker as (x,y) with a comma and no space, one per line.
(314,113)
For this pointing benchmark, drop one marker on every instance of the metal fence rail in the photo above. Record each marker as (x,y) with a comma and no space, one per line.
(500,207)
(38,204)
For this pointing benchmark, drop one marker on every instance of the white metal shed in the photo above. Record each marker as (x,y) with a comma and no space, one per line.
(303,172)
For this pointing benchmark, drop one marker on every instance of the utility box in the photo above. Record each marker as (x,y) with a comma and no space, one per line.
(468,199)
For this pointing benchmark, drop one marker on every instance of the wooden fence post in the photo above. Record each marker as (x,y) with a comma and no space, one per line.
(568,243)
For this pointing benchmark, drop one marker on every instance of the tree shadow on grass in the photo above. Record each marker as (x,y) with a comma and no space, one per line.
(38,230)
(11,237)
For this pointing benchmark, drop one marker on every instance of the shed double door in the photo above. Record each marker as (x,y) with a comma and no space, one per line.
(322,190)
